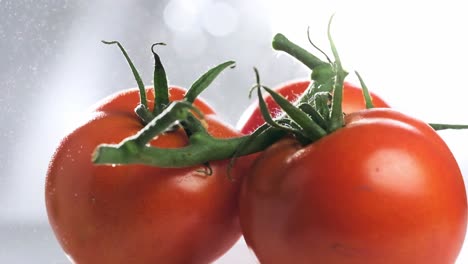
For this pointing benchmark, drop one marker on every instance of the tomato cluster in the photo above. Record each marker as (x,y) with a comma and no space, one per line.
(379,187)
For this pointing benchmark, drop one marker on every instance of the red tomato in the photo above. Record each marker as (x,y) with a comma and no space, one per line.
(383,189)
(139,214)
(352,101)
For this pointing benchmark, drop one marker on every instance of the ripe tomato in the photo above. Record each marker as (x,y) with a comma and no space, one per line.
(352,101)
(383,189)
(135,213)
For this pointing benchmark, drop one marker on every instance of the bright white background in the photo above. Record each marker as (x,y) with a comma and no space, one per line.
(53,67)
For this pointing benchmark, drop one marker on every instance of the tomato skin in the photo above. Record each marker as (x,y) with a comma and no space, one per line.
(136,213)
(352,101)
(383,189)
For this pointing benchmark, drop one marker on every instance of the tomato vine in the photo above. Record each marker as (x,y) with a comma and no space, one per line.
(317,113)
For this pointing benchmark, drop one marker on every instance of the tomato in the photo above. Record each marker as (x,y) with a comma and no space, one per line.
(135,213)
(352,101)
(383,189)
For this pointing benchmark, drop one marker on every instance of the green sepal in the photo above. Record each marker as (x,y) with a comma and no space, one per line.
(205,80)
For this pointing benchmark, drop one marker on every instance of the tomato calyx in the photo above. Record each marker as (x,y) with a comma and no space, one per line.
(161,88)
(324,74)
(160,84)
(294,120)
(202,146)
(169,116)
(141,109)
(317,113)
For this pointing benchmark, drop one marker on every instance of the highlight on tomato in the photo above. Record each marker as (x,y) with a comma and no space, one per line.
(137,213)
(371,186)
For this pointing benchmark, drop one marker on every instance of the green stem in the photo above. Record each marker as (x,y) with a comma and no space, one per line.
(131,146)
(161,88)
(436,126)
(143,113)
(245,144)
(176,111)
(280,42)
(202,148)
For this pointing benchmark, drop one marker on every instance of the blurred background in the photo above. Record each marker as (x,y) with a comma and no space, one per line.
(53,68)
